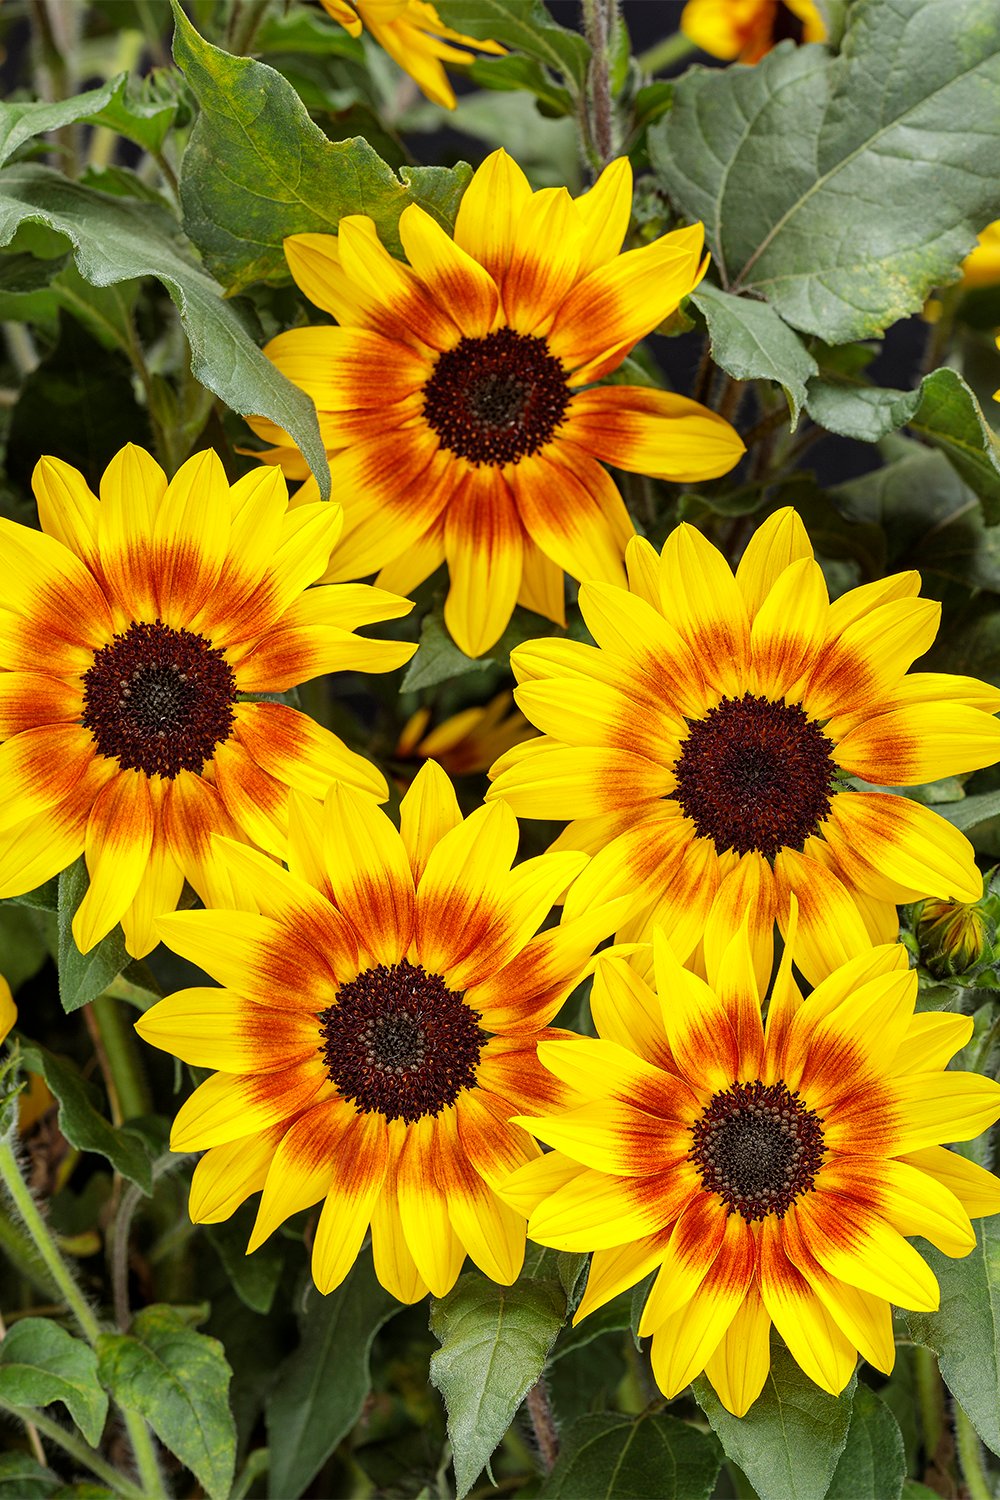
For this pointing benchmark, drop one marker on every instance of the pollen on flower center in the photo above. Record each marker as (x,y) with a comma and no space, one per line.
(400,1043)
(159,700)
(753,774)
(497,399)
(758,1147)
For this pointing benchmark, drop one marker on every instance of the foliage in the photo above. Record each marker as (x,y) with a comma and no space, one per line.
(153,160)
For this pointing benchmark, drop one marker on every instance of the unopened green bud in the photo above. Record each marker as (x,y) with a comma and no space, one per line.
(951,935)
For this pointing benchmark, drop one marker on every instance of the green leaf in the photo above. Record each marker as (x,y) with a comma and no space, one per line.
(81,1121)
(605,1456)
(21,945)
(494,1344)
(942,410)
(21,1478)
(438,659)
(751,342)
(838,188)
(971,812)
(515,72)
(254,1278)
(257,169)
(40,1362)
(321,1388)
(143,110)
(22,121)
(177,1380)
(965,1332)
(873,1464)
(84,976)
(117,239)
(790,1441)
(524,24)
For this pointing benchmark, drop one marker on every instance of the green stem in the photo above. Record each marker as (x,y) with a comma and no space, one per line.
(122,1053)
(145,1455)
(246,24)
(83,1454)
(39,1231)
(931,1397)
(970,1457)
(598,105)
(258,1461)
(24,1203)
(673,49)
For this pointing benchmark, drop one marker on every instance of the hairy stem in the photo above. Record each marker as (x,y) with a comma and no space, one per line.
(598,21)
(970,1457)
(31,1216)
(543,1423)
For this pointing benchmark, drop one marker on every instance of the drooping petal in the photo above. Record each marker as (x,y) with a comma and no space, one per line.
(695,1241)
(227,1175)
(814,1338)
(302,1166)
(484,545)
(119,839)
(571,509)
(740,1364)
(688,1338)
(437,1251)
(359,1169)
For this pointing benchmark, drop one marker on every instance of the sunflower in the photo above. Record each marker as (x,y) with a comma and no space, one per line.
(133,629)
(704,747)
(766,1176)
(415,37)
(747,29)
(468,741)
(377,1031)
(451,397)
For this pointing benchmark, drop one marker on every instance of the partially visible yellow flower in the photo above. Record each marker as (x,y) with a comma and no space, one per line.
(378,1029)
(459,398)
(413,34)
(8,1010)
(746,29)
(468,741)
(952,936)
(982,266)
(138,633)
(768,1175)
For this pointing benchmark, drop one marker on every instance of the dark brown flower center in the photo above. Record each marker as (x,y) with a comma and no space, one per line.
(399,1042)
(753,774)
(159,700)
(496,399)
(758,1147)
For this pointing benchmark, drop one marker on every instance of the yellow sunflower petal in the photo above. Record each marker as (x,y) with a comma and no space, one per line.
(428,811)
(119,840)
(653,432)
(614,1271)
(935,1107)
(215,1028)
(452,277)
(300,1172)
(490,209)
(67,507)
(696,1240)
(369,873)
(905,841)
(686,1340)
(437,1251)
(227,1175)
(223,1107)
(977,1190)
(740,1364)
(815,1340)
(359,1170)
(484,547)
(777,543)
